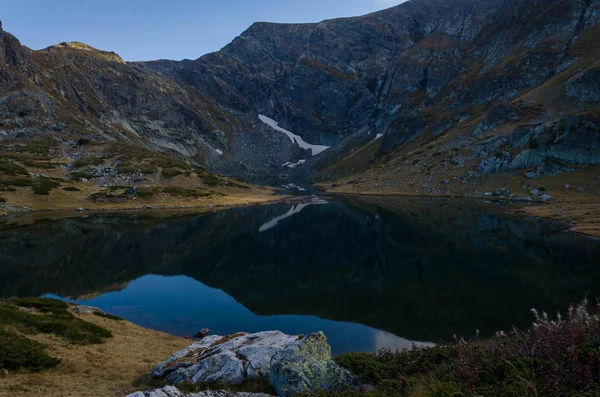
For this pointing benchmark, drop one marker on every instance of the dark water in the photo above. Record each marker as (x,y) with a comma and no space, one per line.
(370,275)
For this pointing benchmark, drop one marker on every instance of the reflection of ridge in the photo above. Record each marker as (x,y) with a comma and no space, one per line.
(421,268)
(296,209)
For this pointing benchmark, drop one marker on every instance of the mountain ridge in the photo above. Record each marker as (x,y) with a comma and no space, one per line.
(458,82)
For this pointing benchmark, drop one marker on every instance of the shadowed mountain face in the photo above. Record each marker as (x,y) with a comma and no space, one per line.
(423,270)
(427,70)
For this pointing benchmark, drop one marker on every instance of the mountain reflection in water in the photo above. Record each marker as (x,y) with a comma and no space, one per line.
(368,274)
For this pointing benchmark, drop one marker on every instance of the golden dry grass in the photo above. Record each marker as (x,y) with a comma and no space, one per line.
(59,199)
(108,369)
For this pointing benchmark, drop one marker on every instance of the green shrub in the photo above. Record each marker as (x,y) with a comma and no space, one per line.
(40,164)
(448,389)
(12,169)
(171,172)
(85,161)
(83,141)
(368,367)
(211,180)
(71,189)
(107,315)
(2,200)
(56,319)
(145,193)
(20,182)
(77,176)
(44,305)
(44,185)
(18,352)
(145,169)
(183,192)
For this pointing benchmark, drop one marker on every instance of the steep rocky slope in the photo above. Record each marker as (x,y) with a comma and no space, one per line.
(431,96)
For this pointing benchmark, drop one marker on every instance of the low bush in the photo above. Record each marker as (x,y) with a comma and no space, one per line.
(85,161)
(9,168)
(107,315)
(77,176)
(18,352)
(40,164)
(171,172)
(183,192)
(555,357)
(18,182)
(55,319)
(71,189)
(43,186)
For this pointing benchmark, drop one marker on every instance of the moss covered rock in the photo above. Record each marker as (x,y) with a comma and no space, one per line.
(306,367)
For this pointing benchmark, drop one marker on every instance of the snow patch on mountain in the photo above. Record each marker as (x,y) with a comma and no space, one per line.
(316,149)
(293,165)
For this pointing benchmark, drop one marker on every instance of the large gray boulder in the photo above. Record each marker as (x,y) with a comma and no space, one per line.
(306,367)
(292,364)
(229,359)
(171,391)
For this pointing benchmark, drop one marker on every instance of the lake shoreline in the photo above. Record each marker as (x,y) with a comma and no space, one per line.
(583,216)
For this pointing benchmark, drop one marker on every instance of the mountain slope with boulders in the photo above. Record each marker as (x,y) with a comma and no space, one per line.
(428,97)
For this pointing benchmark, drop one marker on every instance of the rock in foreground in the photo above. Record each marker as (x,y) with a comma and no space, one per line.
(293,364)
(306,366)
(229,359)
(170,391)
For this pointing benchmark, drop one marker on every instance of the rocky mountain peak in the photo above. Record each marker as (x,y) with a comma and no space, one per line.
(79,46)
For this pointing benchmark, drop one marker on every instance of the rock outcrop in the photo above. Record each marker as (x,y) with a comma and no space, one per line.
(306,367)
(293,364)
(170,391)
(229,359)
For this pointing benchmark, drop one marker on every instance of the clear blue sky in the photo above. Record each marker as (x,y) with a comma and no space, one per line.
(170,29)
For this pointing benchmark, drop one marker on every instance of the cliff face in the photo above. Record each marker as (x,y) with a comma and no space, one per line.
(462,78)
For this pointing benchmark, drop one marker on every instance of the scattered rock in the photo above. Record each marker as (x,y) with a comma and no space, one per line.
(560,212)
(171,391)
(567,187)
(545,197)
(535,192)
(306,367)
(487,194)
(202,333)
(532,175)
(3,373)
(79,209)
(83,309)
(445,181)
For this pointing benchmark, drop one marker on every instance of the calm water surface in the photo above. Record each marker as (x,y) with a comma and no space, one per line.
(370,275)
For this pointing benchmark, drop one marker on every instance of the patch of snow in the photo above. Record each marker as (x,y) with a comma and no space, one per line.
(293,165)
(316,149)
(296,209)
(219,151)
(378,136)
(292,186)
